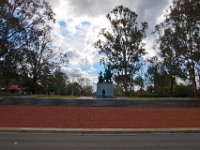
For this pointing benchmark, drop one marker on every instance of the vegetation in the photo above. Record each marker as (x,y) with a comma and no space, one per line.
(27,59)
(177,46)
(26,51)
(123,45)
(25,40)
(178,41)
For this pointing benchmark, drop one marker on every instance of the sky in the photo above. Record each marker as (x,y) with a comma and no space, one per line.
(77,27)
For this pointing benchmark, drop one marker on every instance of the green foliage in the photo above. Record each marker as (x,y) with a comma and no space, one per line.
(122,44)
(118,90)
(159,77)
(184,19)
(179,40)
(182,91)
(139,81)
(25,43)
(60,81)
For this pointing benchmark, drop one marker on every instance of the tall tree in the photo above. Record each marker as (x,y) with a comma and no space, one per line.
(61,80)
(139,81)
(166,43)
(184,20)
(122,44)
(39,55)
(18,18)
(10,29)
(25,31)
(85,86)
(158,76)
(153,73)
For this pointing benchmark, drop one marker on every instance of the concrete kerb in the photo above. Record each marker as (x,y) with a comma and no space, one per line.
(100,130)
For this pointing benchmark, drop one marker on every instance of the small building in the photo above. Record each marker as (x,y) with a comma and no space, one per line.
(14,89)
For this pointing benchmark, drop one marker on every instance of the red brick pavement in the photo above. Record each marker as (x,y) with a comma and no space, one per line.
(98,117)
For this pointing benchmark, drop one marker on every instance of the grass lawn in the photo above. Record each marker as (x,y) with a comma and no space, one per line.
(56,96)
(160,98)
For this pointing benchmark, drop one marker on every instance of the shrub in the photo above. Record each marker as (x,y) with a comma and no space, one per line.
(182,91)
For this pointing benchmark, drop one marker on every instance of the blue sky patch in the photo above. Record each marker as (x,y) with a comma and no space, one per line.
(86,23)
(62,24)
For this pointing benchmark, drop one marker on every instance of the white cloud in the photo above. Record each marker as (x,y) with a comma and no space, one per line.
(75,73)
(78,23)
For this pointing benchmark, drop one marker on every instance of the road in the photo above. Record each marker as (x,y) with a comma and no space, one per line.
(10,141)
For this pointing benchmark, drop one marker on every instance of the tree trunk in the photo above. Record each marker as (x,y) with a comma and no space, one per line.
(125,86)
(126,78)
(192,77)
(171,86)
(34,84)
(194,86)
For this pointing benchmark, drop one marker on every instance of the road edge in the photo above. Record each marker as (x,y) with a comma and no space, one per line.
(99,130)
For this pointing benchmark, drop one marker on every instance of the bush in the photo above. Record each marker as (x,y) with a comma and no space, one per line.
(182,91)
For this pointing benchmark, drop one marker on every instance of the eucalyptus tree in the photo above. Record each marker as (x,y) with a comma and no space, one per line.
(183,36)
(166,44)
(158,76)
(39,55)
(85,85)
(10,29)
(139,81)
(25,31)
(153,72)
(17,19)
(122,44)
(61,80)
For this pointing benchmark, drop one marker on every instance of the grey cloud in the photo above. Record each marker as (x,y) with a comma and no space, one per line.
(72,72)
(147,11)
(79,37)
(53,3)
(150,11)
(77,72)
(91,8)
(73,54)
(78,57)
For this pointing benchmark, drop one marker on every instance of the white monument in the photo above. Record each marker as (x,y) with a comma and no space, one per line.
(109,90)
(105,87)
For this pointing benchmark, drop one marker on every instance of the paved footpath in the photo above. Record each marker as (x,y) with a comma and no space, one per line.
(41,115)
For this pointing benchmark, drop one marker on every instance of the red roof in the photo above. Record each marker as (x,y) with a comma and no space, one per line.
(14,87)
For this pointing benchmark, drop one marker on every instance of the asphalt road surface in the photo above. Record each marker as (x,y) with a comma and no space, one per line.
(18,141)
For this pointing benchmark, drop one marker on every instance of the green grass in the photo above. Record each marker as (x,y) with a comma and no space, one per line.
(160,98)
(56,96)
